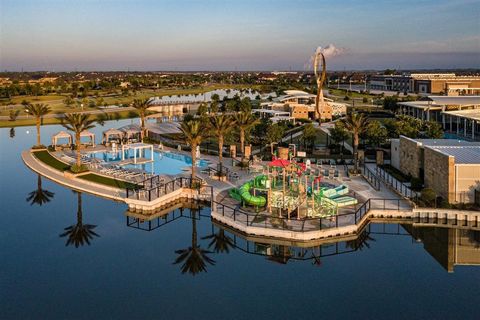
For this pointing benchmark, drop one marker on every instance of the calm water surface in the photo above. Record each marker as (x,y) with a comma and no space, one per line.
(126,272)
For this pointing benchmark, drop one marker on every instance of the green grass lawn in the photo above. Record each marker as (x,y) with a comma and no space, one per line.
(51,161)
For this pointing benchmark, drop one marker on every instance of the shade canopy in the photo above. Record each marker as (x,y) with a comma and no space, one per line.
(112,132)
(131,130)
(88,134)
(61,135)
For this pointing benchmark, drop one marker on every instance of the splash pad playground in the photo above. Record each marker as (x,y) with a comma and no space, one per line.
(292,189)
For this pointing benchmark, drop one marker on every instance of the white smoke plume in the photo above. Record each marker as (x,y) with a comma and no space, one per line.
(330,51)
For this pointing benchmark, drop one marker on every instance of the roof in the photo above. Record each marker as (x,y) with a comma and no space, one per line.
(462,154)
(473,114)
(86,133)
(62,134)
(455,100)
(446,143)
(268,111)
(113,131)
(438,102)
(131,128)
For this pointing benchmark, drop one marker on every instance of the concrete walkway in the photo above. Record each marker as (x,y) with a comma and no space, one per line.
(77,184)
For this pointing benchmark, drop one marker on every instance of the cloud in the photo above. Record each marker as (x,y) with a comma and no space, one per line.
(330,51)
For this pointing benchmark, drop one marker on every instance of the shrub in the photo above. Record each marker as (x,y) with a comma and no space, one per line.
(78,169)
(428,195)
(416,183)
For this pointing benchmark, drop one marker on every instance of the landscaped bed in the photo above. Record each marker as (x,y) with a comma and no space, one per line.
(51,161)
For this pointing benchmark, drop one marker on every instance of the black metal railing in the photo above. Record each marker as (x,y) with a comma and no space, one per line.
(371,178)
(268,221)
(395,184)
(153,191)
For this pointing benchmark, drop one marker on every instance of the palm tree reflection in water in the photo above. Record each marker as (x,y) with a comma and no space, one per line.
(39,196)
(221,243)
(194,258)
(79,234)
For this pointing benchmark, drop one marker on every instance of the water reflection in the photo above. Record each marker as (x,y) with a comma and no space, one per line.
(361,242)
(39,196)
(449,246)
(12,133)
(194,259)
(220,242)
(79,234)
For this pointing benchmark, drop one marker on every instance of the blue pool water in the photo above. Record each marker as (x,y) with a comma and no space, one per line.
(163,162)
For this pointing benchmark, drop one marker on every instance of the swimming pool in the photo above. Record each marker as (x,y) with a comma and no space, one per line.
(163,162)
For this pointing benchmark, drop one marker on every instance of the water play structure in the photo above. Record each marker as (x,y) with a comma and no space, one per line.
(286,186)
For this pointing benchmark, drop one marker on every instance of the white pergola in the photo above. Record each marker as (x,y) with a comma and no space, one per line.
(61,135)
(135,147)
(90,135)
(112,132)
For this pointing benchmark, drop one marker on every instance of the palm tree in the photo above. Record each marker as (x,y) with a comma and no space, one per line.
(220,241)
(221,125)
(244,120)
(356,123)
(38,110)
(77,122)
(194,258)
(141,106)
(193,133)
(39,196)
(79,233)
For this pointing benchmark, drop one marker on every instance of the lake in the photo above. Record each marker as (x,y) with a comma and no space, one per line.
(127,271)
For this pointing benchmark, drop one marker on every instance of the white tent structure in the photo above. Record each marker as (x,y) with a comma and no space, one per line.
(61,135)
(115,133)
(90,135)
(132,133)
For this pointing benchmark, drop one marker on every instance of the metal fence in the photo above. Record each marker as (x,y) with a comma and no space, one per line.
(371,178)
(152,189)
(268,221)
(394,183)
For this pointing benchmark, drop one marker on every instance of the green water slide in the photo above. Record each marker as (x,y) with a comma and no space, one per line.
(250,199)
(243,193)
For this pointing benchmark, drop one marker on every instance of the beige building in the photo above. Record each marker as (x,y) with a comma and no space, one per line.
(301,105)
(450,167)
(427,83)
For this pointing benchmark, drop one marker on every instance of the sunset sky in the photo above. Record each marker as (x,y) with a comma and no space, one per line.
(236,35)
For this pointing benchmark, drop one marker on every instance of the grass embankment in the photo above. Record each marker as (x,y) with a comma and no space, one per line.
(51,161)
(106,115)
